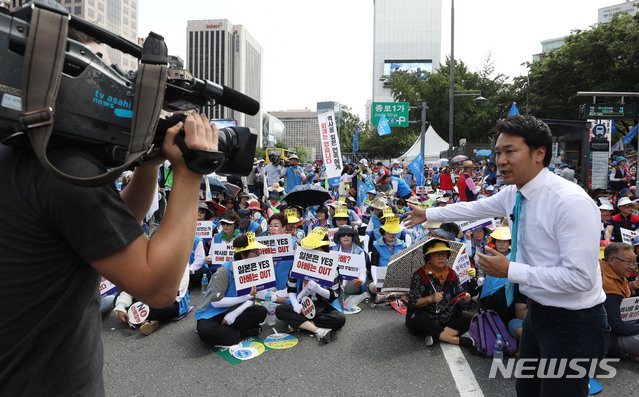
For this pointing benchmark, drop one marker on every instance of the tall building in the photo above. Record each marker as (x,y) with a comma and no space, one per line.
(605,14)
(116,16)
(406,37)
(228,55)
(302,129)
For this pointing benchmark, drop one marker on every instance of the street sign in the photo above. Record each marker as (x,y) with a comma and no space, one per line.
(607,111)
(484,152)
(396,113)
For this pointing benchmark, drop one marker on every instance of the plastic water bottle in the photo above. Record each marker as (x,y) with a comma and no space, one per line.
(270,309)
(498,354)
(205,282)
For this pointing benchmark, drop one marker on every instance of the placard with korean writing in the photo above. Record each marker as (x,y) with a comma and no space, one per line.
(107,288)
(462,265)
(476,225)
(221,253)
(420,190)
(330,147)
(350,264)
(627,235)
(380,275)
(630,310)
(280,246)
(258,272)
(331,234)
(315,265)
(204,230)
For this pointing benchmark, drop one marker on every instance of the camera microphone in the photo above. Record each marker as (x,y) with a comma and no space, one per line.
(226,96)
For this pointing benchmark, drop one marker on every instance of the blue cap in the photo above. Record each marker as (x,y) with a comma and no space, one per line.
(621,158)
(563,165)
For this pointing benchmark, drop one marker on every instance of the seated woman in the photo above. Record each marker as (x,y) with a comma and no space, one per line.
(347,240)
(223,318)
(341,217)
(496,293)
(277,225)
(432,312)
(292,218)
(328,310)
(321,216)
(181,306)
(382,250)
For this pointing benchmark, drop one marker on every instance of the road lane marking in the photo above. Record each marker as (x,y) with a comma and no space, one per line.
(462,374)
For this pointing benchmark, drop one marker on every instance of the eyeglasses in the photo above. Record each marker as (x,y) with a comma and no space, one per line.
(625,262)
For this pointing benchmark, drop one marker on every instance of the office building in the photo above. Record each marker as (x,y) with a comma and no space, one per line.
(605,14)
(116,16)
(228,55)
(302,129)
(406,37)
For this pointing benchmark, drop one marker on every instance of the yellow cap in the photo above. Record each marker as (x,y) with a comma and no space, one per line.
(391,225)
(501,233)
(438,247)
(341,212)
(291,215)
(315,238)
(252,244)
(342,199)
(388,211)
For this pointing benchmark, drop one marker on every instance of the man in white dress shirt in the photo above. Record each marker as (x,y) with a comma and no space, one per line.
(556,259)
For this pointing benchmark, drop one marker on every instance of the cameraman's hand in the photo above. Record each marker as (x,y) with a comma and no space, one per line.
(199,134)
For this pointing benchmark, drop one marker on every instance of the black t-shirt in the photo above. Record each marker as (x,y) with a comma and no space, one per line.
(49,302)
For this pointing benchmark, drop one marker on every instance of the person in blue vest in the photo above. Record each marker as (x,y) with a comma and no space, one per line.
(223,318)
(229,223)
(327,300)
(246,224)
(277,226)
(310,171)
(197,266)
(395,185)
(294,174)
(347,240)
(377,210)
(385,247)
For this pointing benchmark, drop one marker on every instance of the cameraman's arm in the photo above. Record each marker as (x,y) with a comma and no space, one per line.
(151,270)
(143,189)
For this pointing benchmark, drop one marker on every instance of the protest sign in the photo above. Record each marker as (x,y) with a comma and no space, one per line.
(380,274)
(331,234)
(330,147)
(476,225)
(627,235)
(315,265)
(630,310)
(107,288)
(204,230)
(308,307)
(138,312)
(421,190)
(462,265)
(280,246)
(258,272)
(350,264)
(221,253)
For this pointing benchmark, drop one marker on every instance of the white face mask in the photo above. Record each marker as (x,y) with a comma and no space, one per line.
(257,215)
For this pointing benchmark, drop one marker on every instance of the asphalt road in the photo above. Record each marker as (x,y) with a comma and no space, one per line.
(373,354)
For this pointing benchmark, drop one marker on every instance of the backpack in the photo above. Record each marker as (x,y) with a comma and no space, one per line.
(484,327)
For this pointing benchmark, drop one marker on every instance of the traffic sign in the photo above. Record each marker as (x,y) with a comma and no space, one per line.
(599,130)
(396,113)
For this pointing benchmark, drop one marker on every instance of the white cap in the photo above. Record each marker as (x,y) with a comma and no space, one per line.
(364,161)
(606,207)
(624,201)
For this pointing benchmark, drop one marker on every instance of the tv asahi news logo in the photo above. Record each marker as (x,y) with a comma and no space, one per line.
(554,368)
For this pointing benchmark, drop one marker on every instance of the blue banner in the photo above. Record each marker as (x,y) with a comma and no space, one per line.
(417,168)
(383,128)
(355,139)
(630,136)
(362,188)
(513,110)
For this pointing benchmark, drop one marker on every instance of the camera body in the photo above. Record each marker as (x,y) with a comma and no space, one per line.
(95,101)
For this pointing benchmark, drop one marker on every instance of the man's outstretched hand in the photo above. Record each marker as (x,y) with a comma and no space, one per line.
(415,217)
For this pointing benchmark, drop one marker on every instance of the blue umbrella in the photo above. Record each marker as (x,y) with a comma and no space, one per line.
(215,185)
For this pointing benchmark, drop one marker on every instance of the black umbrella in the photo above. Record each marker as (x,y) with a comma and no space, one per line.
(231,189)
(215,184)
(307,195)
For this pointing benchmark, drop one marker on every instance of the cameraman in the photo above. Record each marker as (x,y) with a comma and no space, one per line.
(274,170)
(58,238)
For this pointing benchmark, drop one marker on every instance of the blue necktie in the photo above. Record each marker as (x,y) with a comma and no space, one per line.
(510,288)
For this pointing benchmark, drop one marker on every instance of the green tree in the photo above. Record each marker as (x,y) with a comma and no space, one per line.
(603,58)
(301,153)
(281,145)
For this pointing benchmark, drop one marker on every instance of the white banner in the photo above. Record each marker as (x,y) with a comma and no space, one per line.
(280,246)
(627,235)
(330,147)
(204,230)
(350,264)
(380,275)
(475,225)
(462,265)
(315,265)
(258,272)
(421,190)
(221,253)
(630,310)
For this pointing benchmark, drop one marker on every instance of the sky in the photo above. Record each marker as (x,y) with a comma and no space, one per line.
(323,50)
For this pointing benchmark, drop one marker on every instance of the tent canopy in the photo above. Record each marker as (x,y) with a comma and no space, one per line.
(433,146)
